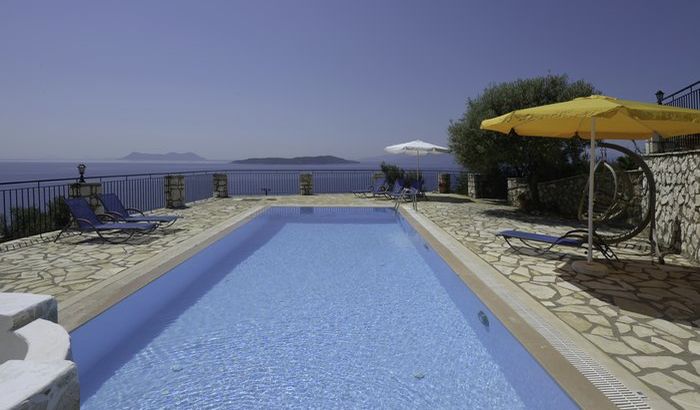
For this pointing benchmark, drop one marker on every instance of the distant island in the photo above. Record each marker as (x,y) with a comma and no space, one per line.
(170,156)
(319,160)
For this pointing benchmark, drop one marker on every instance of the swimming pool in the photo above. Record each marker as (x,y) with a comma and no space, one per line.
(309,307)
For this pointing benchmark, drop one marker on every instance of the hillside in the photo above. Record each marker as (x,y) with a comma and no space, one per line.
(170,156)
(317,160)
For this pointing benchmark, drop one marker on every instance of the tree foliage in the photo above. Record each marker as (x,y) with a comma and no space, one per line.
(535,159)
(626,163)
(391,172)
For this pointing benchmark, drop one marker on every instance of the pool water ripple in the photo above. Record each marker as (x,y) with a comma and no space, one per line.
(320,315)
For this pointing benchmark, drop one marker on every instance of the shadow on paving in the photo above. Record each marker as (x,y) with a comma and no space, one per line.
(96,240)
(669,292)
(448,199)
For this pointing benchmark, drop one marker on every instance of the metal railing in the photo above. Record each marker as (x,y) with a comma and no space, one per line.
(33,207)
(688,97)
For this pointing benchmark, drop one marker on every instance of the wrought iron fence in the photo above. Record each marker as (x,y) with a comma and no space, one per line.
(34,207)
(688,97)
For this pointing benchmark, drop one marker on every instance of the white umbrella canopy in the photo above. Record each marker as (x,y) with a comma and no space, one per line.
(416,148)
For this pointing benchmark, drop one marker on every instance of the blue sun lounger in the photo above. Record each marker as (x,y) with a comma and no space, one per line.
(376,189)
(576,238)
(396,191)
(114,206)
(87,221)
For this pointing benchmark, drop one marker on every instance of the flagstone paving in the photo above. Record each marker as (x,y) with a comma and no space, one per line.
(75,263)
(643,315)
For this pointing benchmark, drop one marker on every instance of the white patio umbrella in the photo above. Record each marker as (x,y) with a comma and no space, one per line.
(416,148)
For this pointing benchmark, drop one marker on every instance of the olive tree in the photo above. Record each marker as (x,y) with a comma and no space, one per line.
(535,159)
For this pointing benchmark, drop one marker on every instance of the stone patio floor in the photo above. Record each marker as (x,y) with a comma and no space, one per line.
(643,315)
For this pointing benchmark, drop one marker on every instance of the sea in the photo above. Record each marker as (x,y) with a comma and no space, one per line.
(33,170)
(28,188)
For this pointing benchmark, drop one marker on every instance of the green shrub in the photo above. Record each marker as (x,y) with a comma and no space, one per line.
(392,172)
(25,222)
(3,231)
(31,221)
(410,176)
(58,214)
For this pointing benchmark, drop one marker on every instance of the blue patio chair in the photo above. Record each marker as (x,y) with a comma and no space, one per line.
(87,221)
(407,194)
(576,238)
(376,189)
(417,187)
(396,190)
(114,206)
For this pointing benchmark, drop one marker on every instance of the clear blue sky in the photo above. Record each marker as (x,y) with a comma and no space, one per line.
(233,79)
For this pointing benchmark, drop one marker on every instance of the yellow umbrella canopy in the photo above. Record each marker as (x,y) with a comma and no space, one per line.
(614,119)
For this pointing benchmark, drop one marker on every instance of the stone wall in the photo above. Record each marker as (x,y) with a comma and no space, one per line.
(677,176)
(563,195)
(475,185)
(485,186)
(517,191)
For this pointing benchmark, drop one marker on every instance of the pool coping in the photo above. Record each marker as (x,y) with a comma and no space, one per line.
(502,297)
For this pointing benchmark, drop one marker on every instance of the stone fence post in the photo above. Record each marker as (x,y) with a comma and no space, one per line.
(518,190)
(89,191)
(653,145)
(475,184)
(306,184)
(220,185)
(174,191)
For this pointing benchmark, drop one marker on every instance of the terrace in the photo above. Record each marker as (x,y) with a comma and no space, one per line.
(640,321)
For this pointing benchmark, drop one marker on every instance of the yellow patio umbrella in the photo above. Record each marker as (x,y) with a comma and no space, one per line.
(594,117)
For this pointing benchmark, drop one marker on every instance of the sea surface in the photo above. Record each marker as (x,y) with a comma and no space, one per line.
(20,170)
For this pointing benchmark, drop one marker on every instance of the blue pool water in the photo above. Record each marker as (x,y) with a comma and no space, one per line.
(309,307)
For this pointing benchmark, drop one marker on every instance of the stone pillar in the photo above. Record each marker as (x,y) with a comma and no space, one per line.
(518,190)
(220,185)
(174,191)
(89,191)
(654,145)
(306,184)
(474,185)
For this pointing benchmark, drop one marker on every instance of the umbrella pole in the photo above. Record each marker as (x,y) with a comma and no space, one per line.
(417,165)
(415,196)
(591,192)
